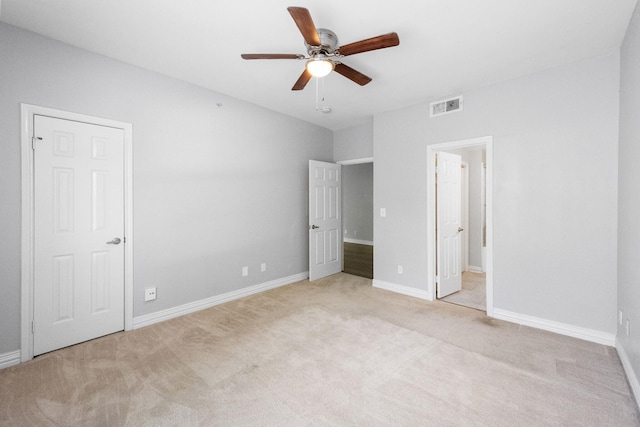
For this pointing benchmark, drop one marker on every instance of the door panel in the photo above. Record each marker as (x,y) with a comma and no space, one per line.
(448,223)
(79,207)
(325,222)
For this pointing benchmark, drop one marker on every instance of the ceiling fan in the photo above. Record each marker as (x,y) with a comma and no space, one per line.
(323,53)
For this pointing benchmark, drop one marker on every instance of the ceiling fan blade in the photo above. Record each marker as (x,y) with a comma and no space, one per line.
(271,56)
(305,24)
(302,80)
(380,42)
(351,74)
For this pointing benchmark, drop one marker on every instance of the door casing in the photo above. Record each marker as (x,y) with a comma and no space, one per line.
(27,227)
(350,162)
(487,142)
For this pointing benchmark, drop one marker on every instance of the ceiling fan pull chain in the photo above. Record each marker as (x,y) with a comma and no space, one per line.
(317,93)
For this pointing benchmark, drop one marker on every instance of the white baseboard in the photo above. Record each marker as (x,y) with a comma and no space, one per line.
(181,310)
(9,359)
(402,289)
(628,369)
(557,327)
(474,269)
(360,242)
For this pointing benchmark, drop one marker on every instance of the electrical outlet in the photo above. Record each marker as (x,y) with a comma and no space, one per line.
(263,267)
(383,212)
(245,271)
(628,327)
(400,269)
(355,232)
(149,294)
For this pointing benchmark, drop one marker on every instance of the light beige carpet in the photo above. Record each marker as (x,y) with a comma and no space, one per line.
(333,352)
(473,293)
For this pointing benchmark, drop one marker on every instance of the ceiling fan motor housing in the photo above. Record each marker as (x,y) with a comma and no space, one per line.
(328,43)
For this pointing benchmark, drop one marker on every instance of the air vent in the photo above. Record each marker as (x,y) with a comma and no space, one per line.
(446,106)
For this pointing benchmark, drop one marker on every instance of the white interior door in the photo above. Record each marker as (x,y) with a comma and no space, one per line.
(325,219)
(78,232)
(448,223)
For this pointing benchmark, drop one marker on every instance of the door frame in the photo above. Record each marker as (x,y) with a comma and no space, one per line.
(350,162)
(487,142)
(27,221)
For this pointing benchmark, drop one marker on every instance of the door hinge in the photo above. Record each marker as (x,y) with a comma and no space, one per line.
(33,142)
(436,279)
(33,327)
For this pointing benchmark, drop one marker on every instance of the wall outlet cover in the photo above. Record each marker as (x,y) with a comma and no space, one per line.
(149,294)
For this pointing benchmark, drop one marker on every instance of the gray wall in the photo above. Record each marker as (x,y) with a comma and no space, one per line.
(555,190)
(357,201)
(355,142)
(211,194)
(629,194)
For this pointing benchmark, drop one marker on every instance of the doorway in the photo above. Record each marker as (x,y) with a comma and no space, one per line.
(357,217)
(478,277)
(472,290)
(69,138)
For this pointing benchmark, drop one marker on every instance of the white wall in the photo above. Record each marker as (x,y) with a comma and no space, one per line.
(211,194)
(629,198)
(555,139)
(355,142)
(357,201)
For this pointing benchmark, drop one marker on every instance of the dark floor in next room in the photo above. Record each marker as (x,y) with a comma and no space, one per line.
(358,259)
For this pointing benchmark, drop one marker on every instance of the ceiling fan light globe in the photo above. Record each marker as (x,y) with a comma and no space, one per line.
(319,67)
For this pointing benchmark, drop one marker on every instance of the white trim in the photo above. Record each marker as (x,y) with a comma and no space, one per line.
(356,161)
(360,242)
(401,289)
(27,227)
(557,327)
(487,141)
(632,377)
(474,269)
(9,359)
(181,310)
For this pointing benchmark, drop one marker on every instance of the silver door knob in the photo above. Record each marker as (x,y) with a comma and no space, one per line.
(313,227)
(460,229)
(115,241)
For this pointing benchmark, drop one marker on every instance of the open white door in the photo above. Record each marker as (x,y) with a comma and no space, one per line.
(79,232)
(448,223)
(325,219)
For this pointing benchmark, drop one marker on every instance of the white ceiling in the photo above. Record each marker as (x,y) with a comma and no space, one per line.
(446,46)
